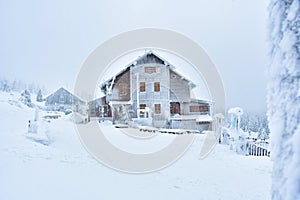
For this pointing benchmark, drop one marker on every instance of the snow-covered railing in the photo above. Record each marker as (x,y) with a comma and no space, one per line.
(244,145)
(257,149)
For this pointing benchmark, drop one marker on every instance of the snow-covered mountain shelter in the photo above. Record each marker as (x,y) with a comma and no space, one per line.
(150,91)
(62,99)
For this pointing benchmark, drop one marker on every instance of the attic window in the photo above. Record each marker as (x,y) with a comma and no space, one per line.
(150,70)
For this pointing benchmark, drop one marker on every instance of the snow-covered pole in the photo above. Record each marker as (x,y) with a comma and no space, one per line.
(236,114)
(36,114)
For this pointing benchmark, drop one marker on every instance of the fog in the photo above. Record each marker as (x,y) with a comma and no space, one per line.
(46,42)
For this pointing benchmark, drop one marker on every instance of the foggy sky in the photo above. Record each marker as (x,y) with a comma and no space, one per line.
(47,41)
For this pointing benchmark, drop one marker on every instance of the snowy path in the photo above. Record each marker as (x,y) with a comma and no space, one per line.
(64,170)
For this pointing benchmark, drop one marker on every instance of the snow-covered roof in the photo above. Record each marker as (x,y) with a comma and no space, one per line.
(65,90)
(204,118)
(139,60)
(197,118)
(120,102)
(201,101)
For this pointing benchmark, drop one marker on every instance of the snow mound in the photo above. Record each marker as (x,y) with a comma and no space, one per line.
(237,111)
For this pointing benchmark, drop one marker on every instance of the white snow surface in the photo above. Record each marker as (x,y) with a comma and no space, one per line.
(64,170)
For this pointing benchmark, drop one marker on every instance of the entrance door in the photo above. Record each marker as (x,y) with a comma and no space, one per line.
(174,108)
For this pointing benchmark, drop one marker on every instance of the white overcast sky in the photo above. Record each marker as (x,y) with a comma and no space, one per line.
(47,41)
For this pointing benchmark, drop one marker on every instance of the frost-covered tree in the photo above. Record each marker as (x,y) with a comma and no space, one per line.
(39,96)
(255,123)
(4,85)
(284,97)
(26,98)
(14,86)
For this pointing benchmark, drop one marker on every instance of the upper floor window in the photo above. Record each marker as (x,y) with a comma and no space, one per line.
(142,86)
(156,86)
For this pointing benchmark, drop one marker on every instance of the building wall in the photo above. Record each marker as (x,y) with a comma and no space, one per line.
(59,97)
(62,100)
(150,97)
(180,89)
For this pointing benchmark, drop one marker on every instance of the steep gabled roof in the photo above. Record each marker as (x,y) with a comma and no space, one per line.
(60,90)
(148,57)
(63,90)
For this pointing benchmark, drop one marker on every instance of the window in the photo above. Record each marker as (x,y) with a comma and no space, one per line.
(142,87)
(199,109)
(142,106)
(156,86)
(194,108)
(122,89)
(157,108)
(175,108)
(150,70)
(205,109)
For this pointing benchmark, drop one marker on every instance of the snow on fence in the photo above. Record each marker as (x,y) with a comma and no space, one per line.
(245,145)
(254,149)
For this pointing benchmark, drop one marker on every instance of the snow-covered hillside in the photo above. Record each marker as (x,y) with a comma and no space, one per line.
(62,169)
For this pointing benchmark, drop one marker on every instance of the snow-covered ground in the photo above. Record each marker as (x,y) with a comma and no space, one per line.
(64,170)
